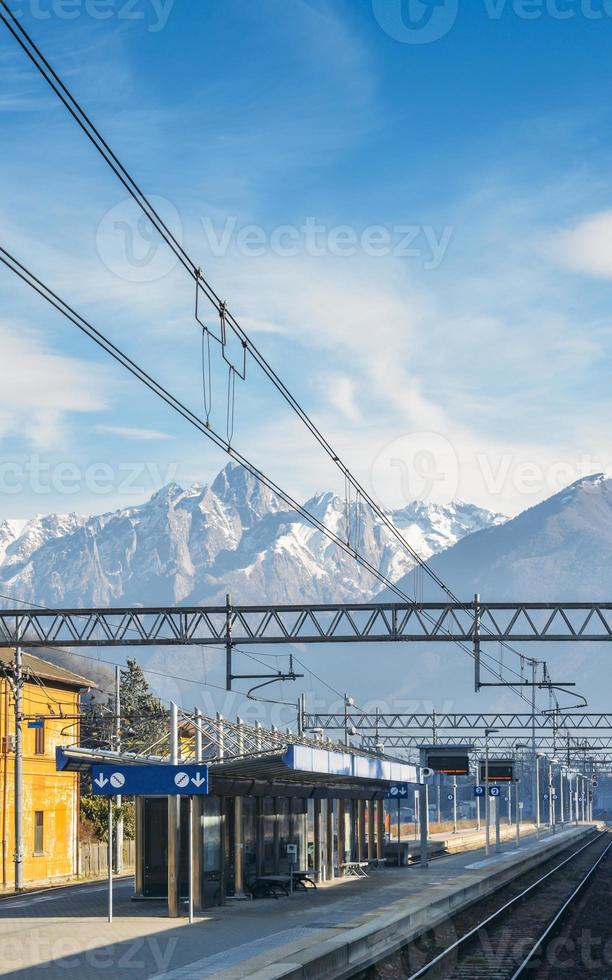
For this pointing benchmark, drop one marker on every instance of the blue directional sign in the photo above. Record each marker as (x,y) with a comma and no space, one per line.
(545,796)
(39,723)
(398,791)
(141,780)
(494,791)
(478,790)
(449,796)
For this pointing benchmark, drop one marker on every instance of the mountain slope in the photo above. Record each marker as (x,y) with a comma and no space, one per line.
(193,546)
(559,549)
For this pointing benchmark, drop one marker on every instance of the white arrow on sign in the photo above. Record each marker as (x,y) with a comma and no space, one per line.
(197,780)
(100,781)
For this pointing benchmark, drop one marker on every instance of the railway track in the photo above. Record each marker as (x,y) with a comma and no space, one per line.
(508,944)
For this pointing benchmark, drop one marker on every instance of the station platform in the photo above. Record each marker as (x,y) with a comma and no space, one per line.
(448,842)
(330,933)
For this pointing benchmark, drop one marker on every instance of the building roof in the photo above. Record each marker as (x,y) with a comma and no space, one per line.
(46,670)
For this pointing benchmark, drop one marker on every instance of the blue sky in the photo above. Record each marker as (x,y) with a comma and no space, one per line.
(447,324)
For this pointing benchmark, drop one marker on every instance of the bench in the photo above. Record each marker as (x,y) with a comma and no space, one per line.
(271,886)
(355,869)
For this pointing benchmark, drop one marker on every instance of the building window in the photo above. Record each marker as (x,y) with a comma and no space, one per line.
(39,818)
(39,739)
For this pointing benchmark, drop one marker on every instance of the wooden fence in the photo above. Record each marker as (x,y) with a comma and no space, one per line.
(93,858)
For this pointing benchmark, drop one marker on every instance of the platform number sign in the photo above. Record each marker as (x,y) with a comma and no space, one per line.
(494,790)
(449,796)
(398,791)
(478,790)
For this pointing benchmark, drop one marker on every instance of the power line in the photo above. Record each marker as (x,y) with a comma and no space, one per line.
(86,124)
(141,375)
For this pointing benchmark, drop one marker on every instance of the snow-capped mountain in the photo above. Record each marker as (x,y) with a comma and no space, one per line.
(560,549)
(193,546)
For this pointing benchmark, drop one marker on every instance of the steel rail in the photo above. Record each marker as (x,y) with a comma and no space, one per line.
(536,946)
(464,940)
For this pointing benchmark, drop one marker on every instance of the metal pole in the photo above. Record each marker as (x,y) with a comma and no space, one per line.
(110,859)
(399,863)
(497,824)
(18,789)
(509,804)
(535,809)
(551,809)
(537,787)
(228,642)
(487,802)
(119,828)
(477,643)
(518,814)
(174,826)
(346,734)
(562,801)
(424,816)
(191,859)
(454,806)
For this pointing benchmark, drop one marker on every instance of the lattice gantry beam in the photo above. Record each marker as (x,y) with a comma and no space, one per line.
(497,742)
(340,623)
(426,723)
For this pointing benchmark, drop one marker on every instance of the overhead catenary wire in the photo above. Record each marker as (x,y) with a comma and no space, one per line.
(226,317)
(144,377)
(86,124)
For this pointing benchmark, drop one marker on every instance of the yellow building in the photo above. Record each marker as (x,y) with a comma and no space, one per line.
(51,694)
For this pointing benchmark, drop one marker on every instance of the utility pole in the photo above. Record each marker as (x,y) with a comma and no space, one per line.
(119,826)
(17,690)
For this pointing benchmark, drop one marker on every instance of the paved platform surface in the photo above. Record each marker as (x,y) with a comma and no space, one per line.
(63,933)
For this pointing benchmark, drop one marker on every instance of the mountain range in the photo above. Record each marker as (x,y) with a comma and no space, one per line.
(561,549)
(193,546)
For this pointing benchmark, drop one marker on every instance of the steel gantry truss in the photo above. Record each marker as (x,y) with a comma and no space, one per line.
(436,722)
(336,623)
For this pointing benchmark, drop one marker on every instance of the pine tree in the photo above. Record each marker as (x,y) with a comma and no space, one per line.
(144,725)
(144,720)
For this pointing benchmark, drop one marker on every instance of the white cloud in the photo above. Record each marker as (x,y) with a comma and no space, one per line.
(39,388)
(587,247)
(129,432)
